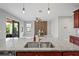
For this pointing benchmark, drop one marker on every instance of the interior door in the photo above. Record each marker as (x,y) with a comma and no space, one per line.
(65,27)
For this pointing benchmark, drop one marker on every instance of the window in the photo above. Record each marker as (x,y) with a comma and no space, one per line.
(8,27)
(28,27)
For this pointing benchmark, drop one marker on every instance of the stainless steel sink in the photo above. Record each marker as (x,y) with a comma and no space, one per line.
(39,45)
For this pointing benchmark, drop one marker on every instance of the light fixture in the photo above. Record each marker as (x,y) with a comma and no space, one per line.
(48,9)
(23,9)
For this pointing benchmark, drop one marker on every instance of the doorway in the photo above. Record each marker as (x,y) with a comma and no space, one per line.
(12,28)
(65,27)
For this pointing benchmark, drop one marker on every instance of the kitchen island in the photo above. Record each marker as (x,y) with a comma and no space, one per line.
(61,47)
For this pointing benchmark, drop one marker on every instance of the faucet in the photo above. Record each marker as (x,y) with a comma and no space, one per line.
(39,42)
(39,39)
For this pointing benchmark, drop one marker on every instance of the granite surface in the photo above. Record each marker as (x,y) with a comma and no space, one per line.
(17,44)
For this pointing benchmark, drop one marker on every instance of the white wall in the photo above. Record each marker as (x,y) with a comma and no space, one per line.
(21,28)
(3,15)
(54,28)
(2,30)
(49,28)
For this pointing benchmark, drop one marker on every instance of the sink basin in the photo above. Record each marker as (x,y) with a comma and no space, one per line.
(39,45)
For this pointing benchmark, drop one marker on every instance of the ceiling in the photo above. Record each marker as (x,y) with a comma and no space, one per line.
(32,10)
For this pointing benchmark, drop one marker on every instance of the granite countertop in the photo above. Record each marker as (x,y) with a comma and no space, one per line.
(18,45)
(75,35)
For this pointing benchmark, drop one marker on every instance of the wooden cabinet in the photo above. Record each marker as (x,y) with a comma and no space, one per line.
(71,53)
(76,19)
(74,40)
(40,26)
(52,53)
(38,54)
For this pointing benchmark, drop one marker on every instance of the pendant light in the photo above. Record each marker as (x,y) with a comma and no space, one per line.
(48,9)
(23,9)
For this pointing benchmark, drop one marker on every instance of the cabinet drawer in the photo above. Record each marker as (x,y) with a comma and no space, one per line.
(77,42)
(74,40)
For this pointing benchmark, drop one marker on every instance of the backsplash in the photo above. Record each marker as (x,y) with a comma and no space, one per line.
(76,30)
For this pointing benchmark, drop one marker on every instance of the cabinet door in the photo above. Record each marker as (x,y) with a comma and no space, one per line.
(26,54)
(49,53)
(77,41)
(70,53)
(76,19)
(38,53)
(71,39)
(74,40)
(42,26)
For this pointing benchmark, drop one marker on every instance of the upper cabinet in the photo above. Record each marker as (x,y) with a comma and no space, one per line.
(40,27)
(76,18)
